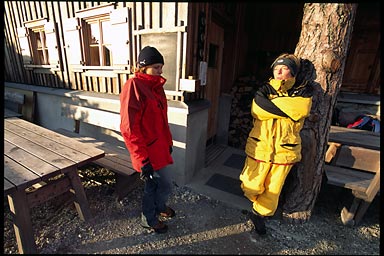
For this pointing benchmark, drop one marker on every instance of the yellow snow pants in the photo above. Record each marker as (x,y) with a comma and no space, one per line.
(262,184)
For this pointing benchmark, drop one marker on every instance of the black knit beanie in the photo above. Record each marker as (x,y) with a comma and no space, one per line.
(290,63)
(148,56)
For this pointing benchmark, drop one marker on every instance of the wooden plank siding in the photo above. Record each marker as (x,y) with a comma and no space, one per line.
(11,47)
(154,20)
(158,17)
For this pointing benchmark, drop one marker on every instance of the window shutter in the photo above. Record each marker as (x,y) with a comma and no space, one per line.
(22,33)
(121,46)
(52,44)
(72,41)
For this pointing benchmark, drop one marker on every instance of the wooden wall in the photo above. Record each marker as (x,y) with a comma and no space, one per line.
(273,28)
(145,16)
(246,40)
(362,71)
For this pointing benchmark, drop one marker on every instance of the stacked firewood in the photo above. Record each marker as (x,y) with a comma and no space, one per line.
(241,119)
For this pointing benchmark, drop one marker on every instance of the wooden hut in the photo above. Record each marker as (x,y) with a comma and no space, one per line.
(82,52)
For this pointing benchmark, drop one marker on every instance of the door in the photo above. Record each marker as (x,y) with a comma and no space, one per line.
(215,41)
(362,71)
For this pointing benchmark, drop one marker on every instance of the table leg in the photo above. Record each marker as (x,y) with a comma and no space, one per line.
(22,222)
(80,199)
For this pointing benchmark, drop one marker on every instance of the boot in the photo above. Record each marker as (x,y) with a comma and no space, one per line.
(159,227)
(258,222)
(168,213)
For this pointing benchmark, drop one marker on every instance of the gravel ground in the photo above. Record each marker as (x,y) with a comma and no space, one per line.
(201,226)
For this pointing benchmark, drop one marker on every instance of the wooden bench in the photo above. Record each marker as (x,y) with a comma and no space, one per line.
(117,158)
(19,104)
(357,169)
(13,104)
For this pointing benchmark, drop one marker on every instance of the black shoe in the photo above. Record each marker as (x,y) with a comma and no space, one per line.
(258,222)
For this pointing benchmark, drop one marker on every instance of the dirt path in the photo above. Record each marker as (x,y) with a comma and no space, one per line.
(202,226)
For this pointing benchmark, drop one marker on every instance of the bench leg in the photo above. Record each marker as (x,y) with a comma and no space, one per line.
(356,212)
(348,217)
(81,202)
(125,184)
(361,211)
(22,222)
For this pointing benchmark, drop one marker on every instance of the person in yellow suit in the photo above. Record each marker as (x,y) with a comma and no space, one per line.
(273,146)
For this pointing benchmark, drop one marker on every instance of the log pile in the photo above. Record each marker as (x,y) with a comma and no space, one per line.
(241,119)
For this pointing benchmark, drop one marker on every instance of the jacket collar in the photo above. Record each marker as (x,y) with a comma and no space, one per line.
(150,80)
(282,85)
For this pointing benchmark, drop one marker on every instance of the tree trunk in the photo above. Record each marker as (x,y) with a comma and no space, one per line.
(324,42)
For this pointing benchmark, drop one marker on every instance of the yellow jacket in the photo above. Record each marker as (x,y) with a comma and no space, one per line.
(278,119)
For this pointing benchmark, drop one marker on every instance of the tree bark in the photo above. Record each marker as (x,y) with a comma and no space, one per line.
(323,45)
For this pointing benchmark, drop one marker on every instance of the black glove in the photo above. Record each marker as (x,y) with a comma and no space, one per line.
(146,172)
(170,149)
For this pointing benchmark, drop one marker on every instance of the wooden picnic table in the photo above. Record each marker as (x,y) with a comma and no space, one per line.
(34,155)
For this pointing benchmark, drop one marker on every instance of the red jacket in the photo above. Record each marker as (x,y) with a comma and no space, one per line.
(144,121)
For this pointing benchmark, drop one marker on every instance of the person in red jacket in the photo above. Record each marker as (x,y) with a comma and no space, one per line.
(144,127)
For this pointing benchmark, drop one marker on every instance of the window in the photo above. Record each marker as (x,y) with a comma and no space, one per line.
(39,45)
(97,41)
(98,38)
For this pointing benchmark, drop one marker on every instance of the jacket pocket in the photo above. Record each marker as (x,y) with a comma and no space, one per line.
(151,142)
(289,146)
(250,147)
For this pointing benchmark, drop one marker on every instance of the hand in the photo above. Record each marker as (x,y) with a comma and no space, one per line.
(170,149)
(146,172)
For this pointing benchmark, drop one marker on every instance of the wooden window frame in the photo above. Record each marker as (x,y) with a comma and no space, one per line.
(39,53)
(93,15)
(87,40)
(36,29)
(115,55)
